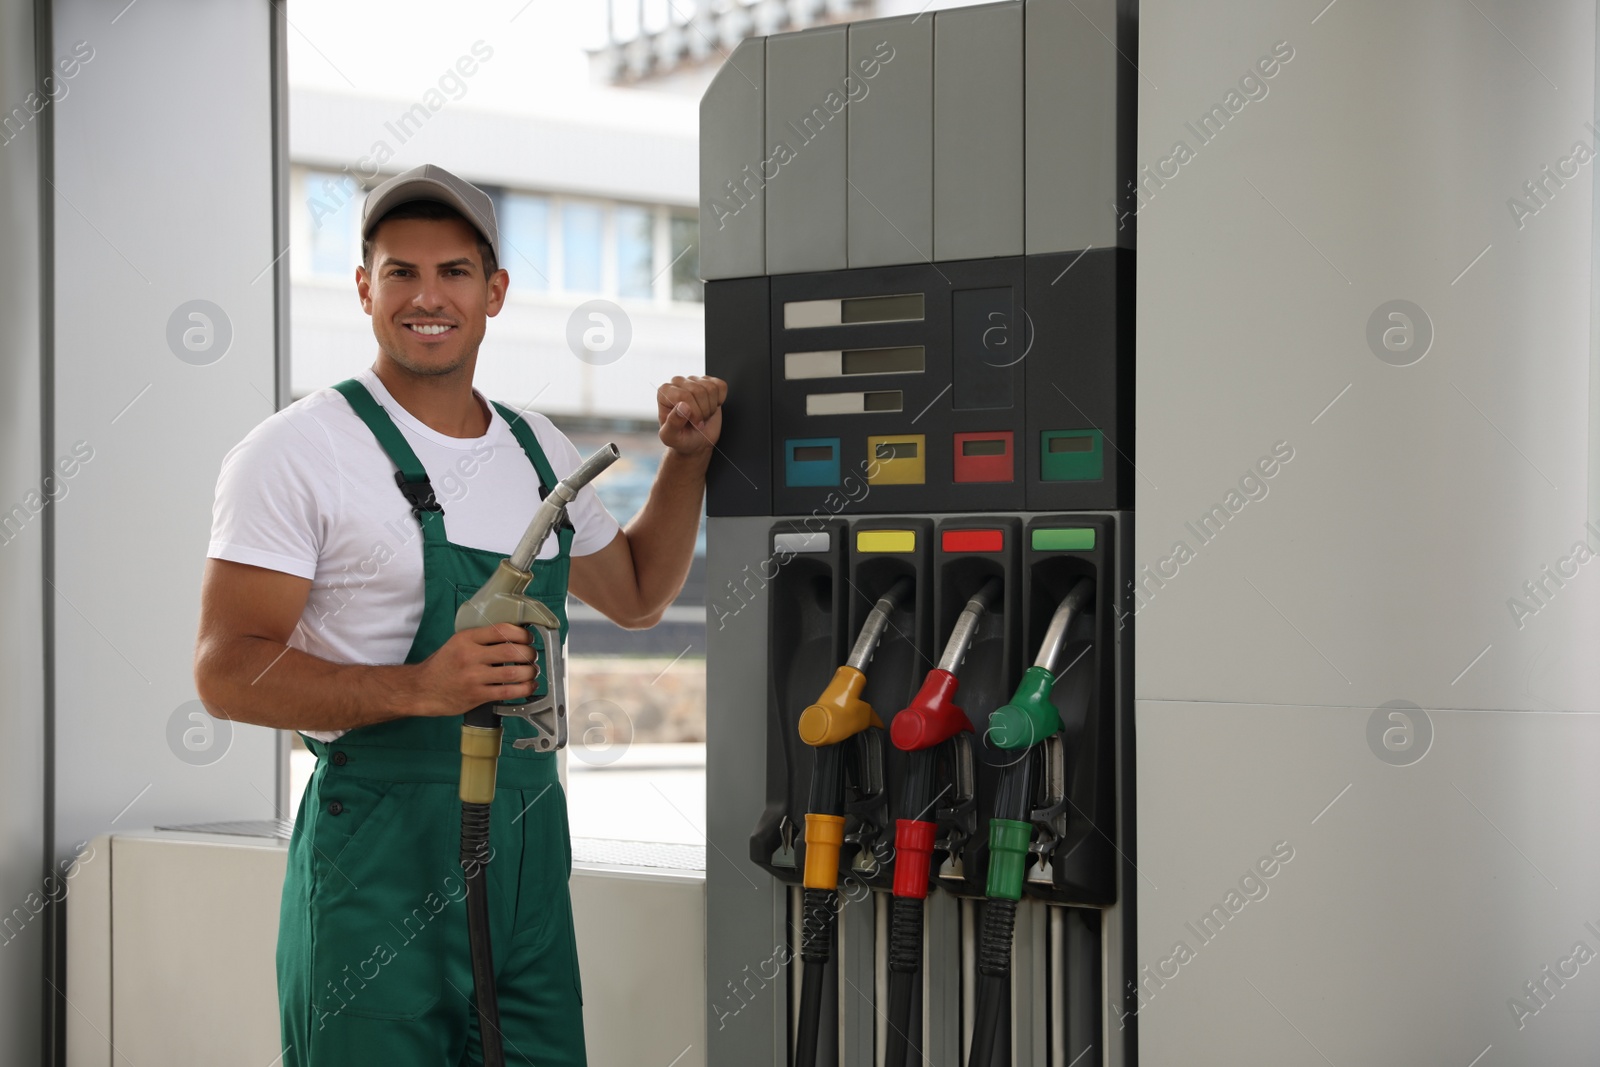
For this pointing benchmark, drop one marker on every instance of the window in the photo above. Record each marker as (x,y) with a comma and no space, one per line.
(582,246)
(635,227)
(525,240)
(549,243)
(685,234)
(333,206)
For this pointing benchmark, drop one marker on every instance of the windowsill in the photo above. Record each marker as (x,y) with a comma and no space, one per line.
(654,794)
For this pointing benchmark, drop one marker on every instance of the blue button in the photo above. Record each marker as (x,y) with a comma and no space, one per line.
(811,461)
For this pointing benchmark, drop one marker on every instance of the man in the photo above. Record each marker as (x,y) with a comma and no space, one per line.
(347,529)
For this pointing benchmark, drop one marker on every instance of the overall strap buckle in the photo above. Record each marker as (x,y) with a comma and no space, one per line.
(418,494)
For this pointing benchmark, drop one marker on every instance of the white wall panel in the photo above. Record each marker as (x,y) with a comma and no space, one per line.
(1376,167)
(1430,882)
(164,194)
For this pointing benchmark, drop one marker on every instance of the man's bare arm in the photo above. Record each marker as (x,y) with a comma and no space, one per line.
(633,579)
(244,669)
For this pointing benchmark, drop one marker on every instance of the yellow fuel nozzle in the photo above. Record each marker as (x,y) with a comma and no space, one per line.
(839,712)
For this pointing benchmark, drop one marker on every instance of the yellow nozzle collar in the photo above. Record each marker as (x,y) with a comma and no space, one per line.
(480,753)
(839,712)
(824,835)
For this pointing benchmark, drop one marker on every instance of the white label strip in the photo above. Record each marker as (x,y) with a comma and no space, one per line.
(813,365)
(803,314)
(836,403)
(887,400)
(817,541)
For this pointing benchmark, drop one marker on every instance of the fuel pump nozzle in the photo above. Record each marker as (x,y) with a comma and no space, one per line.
(838,719)
(1027,725)
(502,599)
(928,725)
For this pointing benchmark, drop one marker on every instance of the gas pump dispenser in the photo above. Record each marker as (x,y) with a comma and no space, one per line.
(916,241)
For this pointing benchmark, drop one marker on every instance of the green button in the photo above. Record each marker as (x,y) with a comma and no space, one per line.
(1071,455)
(1070,539)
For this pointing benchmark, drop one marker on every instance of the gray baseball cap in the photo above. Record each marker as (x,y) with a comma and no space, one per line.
(429,182)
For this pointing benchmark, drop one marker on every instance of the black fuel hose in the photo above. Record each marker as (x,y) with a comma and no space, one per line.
(475,869)
(905,961)
(817,911)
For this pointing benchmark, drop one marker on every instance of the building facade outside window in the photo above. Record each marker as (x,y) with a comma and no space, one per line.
(525,239)
(550,244)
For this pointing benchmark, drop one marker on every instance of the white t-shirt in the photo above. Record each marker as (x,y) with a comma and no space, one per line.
(310,492)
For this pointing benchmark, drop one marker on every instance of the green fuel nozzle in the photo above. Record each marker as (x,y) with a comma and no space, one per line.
(1030,717)
(1028,720)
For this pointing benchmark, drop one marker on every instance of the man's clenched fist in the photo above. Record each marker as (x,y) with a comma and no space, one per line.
(690,413)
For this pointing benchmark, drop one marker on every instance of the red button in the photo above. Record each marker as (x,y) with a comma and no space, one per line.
(984,457)
(973,540)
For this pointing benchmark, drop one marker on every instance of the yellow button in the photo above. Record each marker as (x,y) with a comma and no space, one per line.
(897,459)
(886,541)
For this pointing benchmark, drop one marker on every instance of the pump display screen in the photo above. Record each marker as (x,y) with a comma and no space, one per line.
(907,360)
(813,453)
(896,450)
(1072,444)
(880,308)
(991,447)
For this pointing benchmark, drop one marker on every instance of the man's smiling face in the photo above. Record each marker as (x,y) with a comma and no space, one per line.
(427,294)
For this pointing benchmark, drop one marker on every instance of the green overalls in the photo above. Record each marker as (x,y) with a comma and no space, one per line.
(373,960)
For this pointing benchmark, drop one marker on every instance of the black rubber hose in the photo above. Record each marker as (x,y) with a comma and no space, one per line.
(994,975)
(816,947)
(474,865)
(905,960)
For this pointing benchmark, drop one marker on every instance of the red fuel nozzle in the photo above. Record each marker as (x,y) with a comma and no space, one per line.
(932,716)
(913,855)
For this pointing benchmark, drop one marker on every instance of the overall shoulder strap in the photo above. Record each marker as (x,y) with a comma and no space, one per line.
(530,444)
(541,464)
(410,475)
